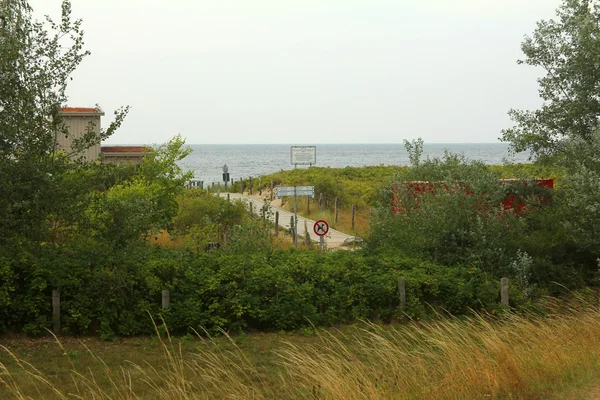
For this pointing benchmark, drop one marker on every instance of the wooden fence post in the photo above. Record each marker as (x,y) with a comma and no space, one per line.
(228,198)
(402,294)
(250,208)
(241,186)
(336,210)
(165,299)
(56,310)
(250,185)
(504,291)
(271,195)
(276,223)
(293,229)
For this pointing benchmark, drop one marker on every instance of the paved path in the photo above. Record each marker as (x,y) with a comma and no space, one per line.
(333,239)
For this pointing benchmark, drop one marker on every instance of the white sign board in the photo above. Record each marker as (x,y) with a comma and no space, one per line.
(304,155)
(300,191)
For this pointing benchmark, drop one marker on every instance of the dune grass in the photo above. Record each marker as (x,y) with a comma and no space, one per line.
(512,357)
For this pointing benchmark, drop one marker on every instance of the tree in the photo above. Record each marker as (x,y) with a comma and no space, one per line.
(144,202)
(36,61)
(568,50)
(581,193)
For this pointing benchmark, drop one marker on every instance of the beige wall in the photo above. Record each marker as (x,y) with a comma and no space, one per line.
(77,125)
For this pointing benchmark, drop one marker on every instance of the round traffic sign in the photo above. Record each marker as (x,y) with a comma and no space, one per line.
(321,227)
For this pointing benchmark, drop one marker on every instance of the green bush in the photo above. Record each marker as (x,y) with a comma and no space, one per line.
(110,292)
(450,211)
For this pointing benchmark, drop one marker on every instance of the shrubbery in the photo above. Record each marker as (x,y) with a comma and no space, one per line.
(82,228)
(112,292)
(450,211)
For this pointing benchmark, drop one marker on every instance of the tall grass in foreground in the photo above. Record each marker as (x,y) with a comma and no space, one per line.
(516,356)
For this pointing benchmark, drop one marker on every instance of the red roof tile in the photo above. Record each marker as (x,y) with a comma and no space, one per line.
(79,109)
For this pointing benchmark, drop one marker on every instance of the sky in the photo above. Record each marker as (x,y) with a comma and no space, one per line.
(306,71)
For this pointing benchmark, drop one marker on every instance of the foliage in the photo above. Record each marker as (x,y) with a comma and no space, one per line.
(361,185)
(35,65)
(453,211)
(582,192)
(37,194)
(120,204)
(108,291)
(351,185)
(415,150)
(568,50)
(529,171)
(250,236)
(206,217)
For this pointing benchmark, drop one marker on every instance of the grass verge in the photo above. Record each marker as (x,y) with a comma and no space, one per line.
(514,357)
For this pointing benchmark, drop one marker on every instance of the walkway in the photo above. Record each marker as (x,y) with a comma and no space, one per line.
(333,239)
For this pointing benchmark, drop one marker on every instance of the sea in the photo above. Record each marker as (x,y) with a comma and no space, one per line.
(252,160)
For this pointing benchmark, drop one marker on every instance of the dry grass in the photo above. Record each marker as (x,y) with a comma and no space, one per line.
(517,357)
(163,239)
(455,359)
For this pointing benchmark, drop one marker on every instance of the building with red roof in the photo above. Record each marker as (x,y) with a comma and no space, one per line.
(79,121)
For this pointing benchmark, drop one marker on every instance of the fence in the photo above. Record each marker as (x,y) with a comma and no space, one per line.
(166,300)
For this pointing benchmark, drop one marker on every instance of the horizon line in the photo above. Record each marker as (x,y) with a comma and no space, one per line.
(306,144)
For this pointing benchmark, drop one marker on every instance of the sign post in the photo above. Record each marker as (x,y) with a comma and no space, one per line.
(295,191)
(295,219)
(225,175)
(321,228)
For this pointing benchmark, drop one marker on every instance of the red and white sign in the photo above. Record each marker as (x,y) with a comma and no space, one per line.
(321,227)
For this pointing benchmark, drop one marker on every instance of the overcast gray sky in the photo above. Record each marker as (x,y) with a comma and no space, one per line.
(306,71)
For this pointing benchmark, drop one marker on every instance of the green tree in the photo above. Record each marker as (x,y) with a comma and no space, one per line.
(581,193)
(36,61)
(146,202)
(568,51)
(206,214)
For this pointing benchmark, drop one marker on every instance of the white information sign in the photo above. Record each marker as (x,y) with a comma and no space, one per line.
(300,191)
(304,155)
